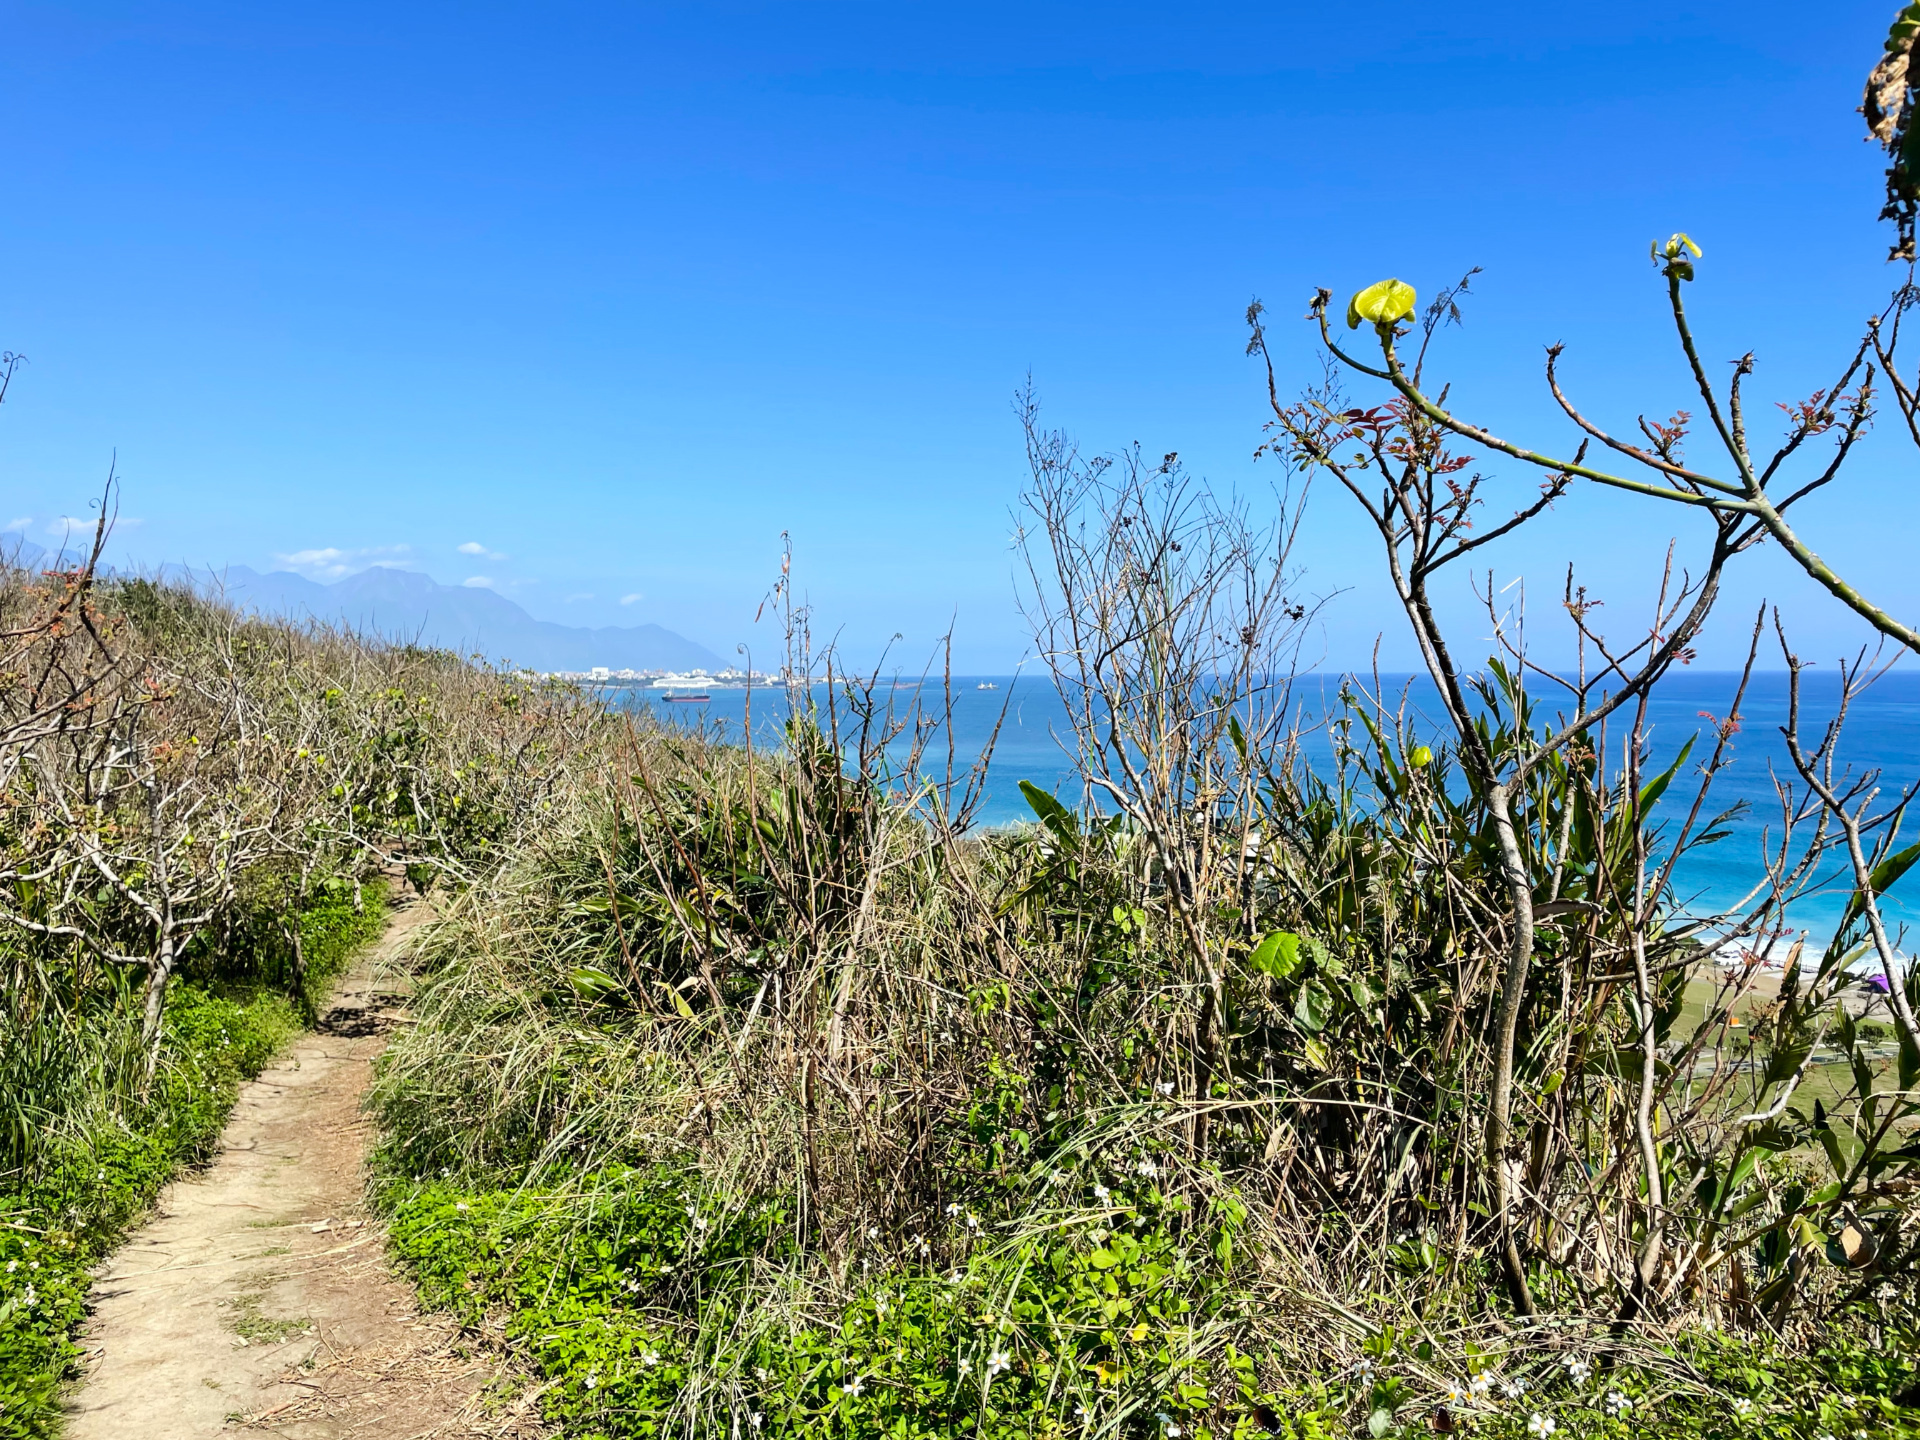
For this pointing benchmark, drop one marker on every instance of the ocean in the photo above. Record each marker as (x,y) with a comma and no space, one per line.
(1882,734)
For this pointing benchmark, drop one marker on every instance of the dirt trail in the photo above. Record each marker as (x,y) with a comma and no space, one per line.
(258,1299)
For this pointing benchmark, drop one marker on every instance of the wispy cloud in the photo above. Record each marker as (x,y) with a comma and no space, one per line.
(20,525)
(61,526)
(634,599)
(478,582)
(474,547)
(582,595)
(331,563)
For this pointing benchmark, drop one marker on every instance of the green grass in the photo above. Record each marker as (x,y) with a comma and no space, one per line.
(101,1163)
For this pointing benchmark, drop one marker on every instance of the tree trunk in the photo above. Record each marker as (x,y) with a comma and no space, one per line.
(159,974)
(1512,993)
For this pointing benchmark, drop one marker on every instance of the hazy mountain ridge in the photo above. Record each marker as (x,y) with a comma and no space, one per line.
(409,606)
(406,605)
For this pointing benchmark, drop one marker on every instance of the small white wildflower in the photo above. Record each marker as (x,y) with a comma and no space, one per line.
(1174,1432)
(1148,1168)
(650,1359)
(1057,1177)
(1513,1389)
(756,1419)
(1742,1406)
(31,1297)
(1456,1395)
(996,1362)
(1885,1290)
(1538,1424)
(1479,1385)
(1165,1087)
(1617,1404)
(973,1224)
(460,1205)
(1100,1192)
(1577,1369)
(953,1210)
(854,1388)
(699,1222)
(593,1382)
(873,1232)
(760,1373)
(12,1265)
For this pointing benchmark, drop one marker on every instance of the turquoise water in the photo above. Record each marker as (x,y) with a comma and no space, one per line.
(1883,733)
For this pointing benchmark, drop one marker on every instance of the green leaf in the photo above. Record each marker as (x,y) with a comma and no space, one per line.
(1880,879)
(1385,303)
(591,984)
(1651,792)
(1277,954)
(679,1000)
(1055,816)
(1313,1006)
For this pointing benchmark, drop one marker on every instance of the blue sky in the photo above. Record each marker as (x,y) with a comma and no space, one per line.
(613,295)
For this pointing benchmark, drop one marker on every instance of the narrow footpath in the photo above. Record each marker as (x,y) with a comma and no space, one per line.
(257,1300)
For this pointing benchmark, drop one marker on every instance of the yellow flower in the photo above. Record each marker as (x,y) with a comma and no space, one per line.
(1386,304)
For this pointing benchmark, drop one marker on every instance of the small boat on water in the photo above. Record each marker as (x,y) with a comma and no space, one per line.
(986,685)
(686,699)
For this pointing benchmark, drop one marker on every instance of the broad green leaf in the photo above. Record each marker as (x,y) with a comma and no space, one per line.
(1313,1007)
(1055,816)
(1651,792)
(1386,302)
(591,984)
(1277,954)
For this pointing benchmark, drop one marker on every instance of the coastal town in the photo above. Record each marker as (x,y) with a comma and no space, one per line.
(728,679)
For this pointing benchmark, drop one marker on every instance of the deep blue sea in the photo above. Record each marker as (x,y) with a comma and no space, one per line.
(1882,733)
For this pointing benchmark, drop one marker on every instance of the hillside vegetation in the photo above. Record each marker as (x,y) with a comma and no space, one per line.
(196,814)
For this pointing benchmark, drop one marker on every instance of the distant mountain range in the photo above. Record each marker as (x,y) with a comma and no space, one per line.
(407,606)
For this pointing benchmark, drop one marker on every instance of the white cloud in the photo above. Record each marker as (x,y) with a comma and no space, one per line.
(474,547)
(583,595)
(331,563)
(12,525)
(635,598)
(478,582)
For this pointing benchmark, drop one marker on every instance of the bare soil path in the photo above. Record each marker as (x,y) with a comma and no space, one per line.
(257,1300)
